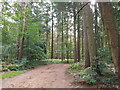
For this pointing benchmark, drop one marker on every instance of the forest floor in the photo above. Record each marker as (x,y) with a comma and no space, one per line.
(47,76)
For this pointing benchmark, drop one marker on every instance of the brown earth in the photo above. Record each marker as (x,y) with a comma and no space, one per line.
(48,76)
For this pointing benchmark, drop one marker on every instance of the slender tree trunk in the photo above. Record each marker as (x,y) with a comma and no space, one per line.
(75,48)
(47,42)
(70,47)
(52,37)
(23,32)
(62,56)
(47,39)
(67,43)
(82,45)
(114,39)
(57,43)
(78,38)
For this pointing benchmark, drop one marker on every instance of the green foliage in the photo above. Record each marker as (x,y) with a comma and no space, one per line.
(104,60)
(11,74)
(89,76)
(104,55)
(86,76)
(15,65)
(24,64)
(34,52)
(34,47)
(76,66)
(108,81)
(9,52)
(116,10)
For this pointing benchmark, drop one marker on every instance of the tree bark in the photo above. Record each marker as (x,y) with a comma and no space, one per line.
(96,27)
(52,37)
(23,32)
(85,41)
(75,50)
(62,56)
(82,41)
(57,43)
(78,42)
(70,46)
(67,42)
(113,34)
(90,34)
(47,38)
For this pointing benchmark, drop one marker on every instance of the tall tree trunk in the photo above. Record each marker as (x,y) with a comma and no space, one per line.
(86,49)
(82,43)
(67,42)
(96,27)
(62,56)
(78,42)
(105,37)
(90,34)
(113,34)
(57,43)
(23,32)
(47,39)
(52,37)
(70,46)
(97,37)
(75,49)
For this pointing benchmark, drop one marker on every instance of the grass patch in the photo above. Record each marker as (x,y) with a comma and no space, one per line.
(11,74)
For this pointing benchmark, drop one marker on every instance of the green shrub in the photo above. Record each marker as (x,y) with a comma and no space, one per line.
(76,66)
(104,59)
(15,65)
(86,76)
(89,76)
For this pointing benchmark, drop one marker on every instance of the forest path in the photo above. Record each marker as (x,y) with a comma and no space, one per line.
(47,76)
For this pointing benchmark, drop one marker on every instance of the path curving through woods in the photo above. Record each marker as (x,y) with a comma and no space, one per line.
(47,76)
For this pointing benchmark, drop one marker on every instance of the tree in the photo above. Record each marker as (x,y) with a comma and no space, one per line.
(52,36)
(91,38)
(23,32)
(86,49)
(62,47)
(78,41)
(112,32)
(67,42)
(90,33)
(97,27)
(75,46)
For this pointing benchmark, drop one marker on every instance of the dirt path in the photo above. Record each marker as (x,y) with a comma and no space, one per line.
(48,76)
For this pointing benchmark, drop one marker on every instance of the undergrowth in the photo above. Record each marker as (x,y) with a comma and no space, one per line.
(24,64)
(88,76)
